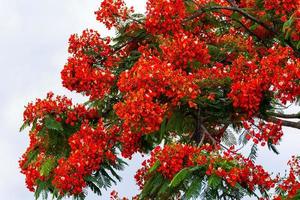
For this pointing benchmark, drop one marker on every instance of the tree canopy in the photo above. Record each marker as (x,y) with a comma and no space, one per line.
(188,83)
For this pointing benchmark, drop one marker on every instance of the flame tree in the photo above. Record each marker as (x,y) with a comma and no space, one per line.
(180,84)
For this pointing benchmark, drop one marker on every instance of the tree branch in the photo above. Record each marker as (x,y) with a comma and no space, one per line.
(198,135)
(251,32)
(284,122)
(286,116)
(208,135)
(232,8)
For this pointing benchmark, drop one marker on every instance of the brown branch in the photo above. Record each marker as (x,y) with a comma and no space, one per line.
(251,32)
(198,135)
(284,122)
(232,8)
(208,135)
(286,116)
(123,45)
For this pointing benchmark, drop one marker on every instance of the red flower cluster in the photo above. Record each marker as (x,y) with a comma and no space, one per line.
(39,154)
(145,86)
(184,50)
(131,142)
(246,173)
(282,7)
(114,196)
(174,158)
(140,112)
(247,86)
(291,185)
(247,3)
(60,107)
(40,108)
(296,25)
(112,12)
(88,70)
(281,70)
(277,71)
(89,148)
(31,171)
(263,131)
(164,16)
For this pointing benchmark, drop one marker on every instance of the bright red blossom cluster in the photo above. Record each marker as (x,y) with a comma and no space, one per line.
(164,17)
(31,171)
(89,148)
(277,71)
(113,12)
(184,50)
(174,158)
(88,70)
(263,132)
(147,86)
(46,106)
(291,184)
(60,107)
(282,7)
(95,141)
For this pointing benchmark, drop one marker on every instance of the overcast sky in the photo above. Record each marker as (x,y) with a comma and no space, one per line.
(33,50)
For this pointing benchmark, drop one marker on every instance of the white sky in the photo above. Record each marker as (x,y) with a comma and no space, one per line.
(33,50)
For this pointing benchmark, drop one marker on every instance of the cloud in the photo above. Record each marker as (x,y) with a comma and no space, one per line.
(34,37)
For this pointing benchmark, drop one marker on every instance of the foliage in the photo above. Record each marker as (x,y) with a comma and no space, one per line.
(181,83)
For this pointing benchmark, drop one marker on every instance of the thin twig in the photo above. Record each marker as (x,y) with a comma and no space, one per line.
(232,8)
(205,131)
(251,32)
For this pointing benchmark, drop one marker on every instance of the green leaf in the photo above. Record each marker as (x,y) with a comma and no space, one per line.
(194,189)
(43,132)
(253,153)
(175,123)
(51,123)
(47,167)
(273,148)
(179,177)
(107,177)
(196,65)
(154,167)
(229,138)
(298,45)
(163,128)
(24,125)
(154,180)
(235,16)
(297,196)
(42,187)
(195,168)
(288,23)
(156,187)
(31,156)
(214,181)
(163,189)
(253,27)
(94,187)
(114,173)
